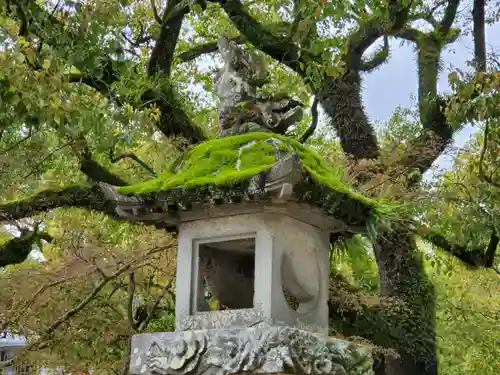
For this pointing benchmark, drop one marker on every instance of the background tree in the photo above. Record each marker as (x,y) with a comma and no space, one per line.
(89,87)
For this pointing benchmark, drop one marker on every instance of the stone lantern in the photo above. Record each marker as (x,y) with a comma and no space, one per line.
(253,238)
(254,212)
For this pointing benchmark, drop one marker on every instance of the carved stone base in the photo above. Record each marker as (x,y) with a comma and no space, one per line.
(259,349)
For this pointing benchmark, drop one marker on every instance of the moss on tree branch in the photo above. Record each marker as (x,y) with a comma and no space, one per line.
(472,257)
(437,132)
(88,197)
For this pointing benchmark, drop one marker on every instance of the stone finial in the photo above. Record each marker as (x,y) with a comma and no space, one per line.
(241,109)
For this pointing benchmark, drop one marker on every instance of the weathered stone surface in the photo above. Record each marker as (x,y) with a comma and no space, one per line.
(260,349)
(290,254)
(241,109)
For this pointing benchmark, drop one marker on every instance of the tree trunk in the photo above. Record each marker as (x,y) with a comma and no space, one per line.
(341,100)
(402,276)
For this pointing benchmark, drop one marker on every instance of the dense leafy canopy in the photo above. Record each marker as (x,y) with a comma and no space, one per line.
(115,90)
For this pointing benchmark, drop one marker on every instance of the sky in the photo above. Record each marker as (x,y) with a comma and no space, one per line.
(395,83)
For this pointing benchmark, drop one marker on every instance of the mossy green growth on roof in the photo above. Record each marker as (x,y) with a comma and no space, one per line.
(228,160)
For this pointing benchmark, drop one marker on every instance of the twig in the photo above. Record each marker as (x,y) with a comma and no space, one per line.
(130,302)
(70,313)
(314,123)
(146,321)
(155,13)
(131,155)
(35,168)
(17,143)
(30,302)
(116,288)
(140,39)
(55,8)
(429,14)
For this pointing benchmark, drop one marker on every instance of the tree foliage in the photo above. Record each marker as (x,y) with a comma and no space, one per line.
(114,90)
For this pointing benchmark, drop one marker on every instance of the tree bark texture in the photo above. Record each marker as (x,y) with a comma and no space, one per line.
(402,277)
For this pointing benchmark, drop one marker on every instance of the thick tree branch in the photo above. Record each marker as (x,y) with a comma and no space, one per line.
(98,173)
(491,250)
(373,29)
(89,197)
(163,51)
(436,134)
(449,16)
(410,34)
(341,96)
(279,48)
(298,15)
(479,36)
(378,59)
(477,257)
(314,123)
(16,250)
(173,120)
(155,12)
(202,49)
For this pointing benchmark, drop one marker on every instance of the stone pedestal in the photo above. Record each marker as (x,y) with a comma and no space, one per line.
(263,348)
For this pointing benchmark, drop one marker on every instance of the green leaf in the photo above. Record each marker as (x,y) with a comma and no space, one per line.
(46,64)
(332,71)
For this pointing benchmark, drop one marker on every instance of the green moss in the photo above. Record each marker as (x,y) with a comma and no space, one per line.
(231,160)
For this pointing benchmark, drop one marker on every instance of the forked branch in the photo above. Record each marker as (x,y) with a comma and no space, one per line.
(378,59)
(155,12)
(134,157)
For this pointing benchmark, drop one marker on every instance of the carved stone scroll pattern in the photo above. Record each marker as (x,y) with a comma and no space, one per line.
(268,349)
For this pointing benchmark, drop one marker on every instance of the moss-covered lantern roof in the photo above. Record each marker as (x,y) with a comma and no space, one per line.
(254,167)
